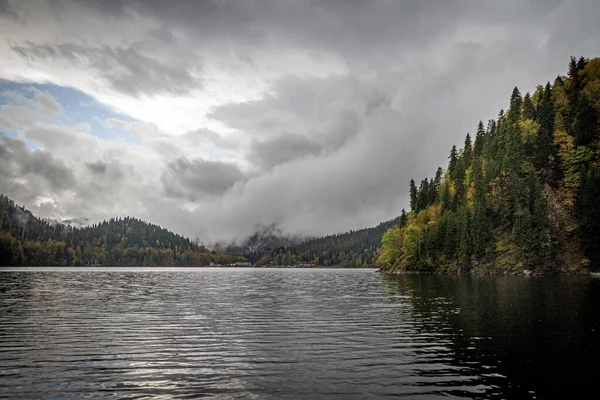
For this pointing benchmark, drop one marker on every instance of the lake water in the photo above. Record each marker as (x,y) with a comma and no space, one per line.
(294,334)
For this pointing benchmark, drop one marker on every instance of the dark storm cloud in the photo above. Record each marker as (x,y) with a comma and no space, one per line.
(17,162)
(302,116)
(282,149)
(126,69)
(192,179)
(6,9)
(97,167)
(360,31)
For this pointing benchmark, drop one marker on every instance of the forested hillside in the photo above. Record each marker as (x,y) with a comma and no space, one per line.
(351,249)
(524,194)
(27,240)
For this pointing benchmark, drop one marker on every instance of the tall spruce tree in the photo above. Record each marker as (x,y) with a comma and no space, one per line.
(453,162)
(479,137)
(515,105)
(413,195)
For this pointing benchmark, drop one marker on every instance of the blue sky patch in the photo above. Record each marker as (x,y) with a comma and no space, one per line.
(79,108)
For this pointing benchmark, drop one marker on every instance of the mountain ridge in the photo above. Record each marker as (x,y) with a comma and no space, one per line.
(28,240)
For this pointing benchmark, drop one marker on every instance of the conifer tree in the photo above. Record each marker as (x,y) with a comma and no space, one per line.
(453,162)
(515,105)
(467,150)
(585,123)
(403,218)
(413,195)
(528,107)
(479,137)
(423,195)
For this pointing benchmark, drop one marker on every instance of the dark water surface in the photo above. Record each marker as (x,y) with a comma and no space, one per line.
(291,333)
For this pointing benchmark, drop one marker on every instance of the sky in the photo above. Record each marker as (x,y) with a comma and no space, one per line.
(212,118)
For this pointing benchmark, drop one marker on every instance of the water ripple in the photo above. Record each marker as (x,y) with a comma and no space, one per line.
(240,333)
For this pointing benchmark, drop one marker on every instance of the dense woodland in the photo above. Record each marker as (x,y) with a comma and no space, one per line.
(351,249)
(522,195)
(27,240)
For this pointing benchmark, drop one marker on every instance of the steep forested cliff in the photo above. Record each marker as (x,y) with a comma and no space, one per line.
(27,240)
(523,194)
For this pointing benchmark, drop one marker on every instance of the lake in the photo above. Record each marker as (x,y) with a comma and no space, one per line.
(294,334)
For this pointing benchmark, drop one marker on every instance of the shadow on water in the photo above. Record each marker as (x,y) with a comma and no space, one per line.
(524,337)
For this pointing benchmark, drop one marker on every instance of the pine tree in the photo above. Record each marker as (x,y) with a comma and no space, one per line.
(439,174)
(453,162)
(432,192)
(403,218)
(585,123)
(467,150)
(515,105)
(528,107)
(423,195)
(544,147)
(479,137)
(413,195)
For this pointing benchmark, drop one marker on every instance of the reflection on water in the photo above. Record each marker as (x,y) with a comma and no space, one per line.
(269,333)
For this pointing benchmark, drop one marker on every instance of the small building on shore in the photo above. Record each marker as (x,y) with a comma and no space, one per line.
(243,264)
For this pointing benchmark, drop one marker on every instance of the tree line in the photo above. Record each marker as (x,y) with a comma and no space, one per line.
(351,249)
(28,240)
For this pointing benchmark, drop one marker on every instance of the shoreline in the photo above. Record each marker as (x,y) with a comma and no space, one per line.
(525,273)
(174,267)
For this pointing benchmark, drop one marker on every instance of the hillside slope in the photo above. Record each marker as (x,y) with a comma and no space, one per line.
(28,240)
(351,249)
(523,196)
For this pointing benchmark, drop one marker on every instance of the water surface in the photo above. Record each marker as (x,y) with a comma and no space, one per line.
(293,333)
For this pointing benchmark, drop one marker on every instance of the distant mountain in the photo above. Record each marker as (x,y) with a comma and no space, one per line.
(263,239)
(351,249)
(28,240)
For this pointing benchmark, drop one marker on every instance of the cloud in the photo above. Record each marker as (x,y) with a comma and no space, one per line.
(31,172)
(22,110)
(126,69)
(46,104)
(282,149)
(191,179)
(97,167)
(140,129)
(204,136)
(14,116)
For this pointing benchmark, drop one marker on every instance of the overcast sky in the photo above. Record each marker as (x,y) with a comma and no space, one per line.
(211,118)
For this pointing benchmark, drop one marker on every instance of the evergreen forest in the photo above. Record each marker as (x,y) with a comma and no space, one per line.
(28,240)
(520,196)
